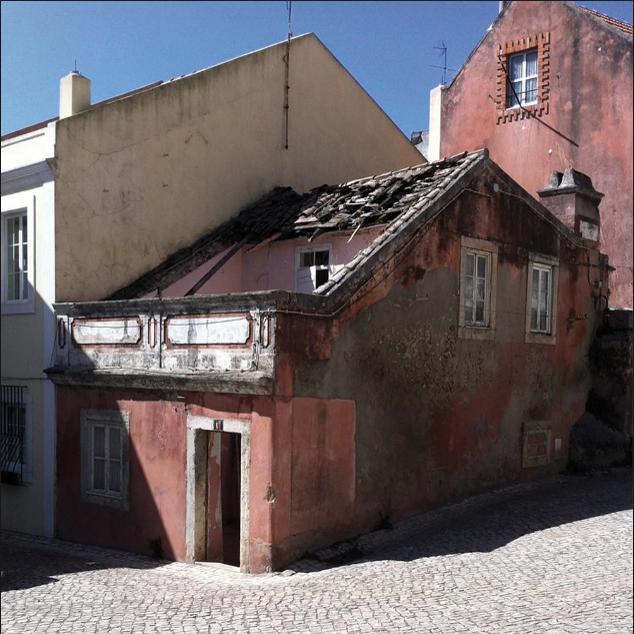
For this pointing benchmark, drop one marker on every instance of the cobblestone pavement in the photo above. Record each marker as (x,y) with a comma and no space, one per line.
(555,556)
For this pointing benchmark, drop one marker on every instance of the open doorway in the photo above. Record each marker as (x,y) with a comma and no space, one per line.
(217,486)
(223,498)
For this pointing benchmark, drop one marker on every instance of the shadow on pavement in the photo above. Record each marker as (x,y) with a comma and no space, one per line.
(485,522)
(29,562)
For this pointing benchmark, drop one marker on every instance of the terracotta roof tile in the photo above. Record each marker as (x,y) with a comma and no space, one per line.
(390,199)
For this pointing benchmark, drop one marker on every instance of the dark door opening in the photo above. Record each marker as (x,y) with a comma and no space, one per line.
(223,498)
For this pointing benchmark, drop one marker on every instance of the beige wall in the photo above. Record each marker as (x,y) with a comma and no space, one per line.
(144,176)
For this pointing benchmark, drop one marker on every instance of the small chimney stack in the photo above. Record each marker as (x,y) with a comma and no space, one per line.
(573,199)
(74,94)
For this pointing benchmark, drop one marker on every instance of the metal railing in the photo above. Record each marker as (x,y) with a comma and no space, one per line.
(12,433)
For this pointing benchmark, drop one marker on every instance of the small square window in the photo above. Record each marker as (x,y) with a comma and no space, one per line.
(313,268)
(104,454)
(522,79)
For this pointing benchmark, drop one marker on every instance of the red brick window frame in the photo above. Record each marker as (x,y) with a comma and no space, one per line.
(541,42)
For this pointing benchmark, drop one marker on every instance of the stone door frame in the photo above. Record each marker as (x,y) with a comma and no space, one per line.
(195,526)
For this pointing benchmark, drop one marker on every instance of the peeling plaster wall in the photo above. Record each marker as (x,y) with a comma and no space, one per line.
(301,470)
(146,175)
(590,103)
(439,417)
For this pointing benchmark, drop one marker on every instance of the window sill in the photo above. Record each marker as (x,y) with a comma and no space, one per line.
(18,308)
(476,332)
(103,499)
(539,337)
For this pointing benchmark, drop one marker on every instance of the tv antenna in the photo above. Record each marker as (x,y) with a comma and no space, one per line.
(443,51)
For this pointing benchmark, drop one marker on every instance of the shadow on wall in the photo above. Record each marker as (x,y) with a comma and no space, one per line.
(81,466)
(484,523)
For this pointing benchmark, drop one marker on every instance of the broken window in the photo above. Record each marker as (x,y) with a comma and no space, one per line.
(522,79)
(313,268)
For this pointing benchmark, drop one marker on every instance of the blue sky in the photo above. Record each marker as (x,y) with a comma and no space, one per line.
(387,46)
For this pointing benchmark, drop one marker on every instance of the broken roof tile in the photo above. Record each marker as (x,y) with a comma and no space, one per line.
(389,199)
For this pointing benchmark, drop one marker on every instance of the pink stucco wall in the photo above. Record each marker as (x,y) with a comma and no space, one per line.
(271,267)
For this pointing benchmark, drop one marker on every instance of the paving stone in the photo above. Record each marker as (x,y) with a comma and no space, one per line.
(553,556)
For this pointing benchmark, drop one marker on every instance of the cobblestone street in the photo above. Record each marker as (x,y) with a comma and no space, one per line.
(554,556)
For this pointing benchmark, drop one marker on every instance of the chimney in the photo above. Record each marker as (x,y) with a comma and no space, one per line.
(74,94)
(435,113)
(573,199)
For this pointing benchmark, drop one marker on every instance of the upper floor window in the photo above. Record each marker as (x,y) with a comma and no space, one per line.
(541,298)
(16,258)
(522,79)
(16,235)
(478,275)
(313,268)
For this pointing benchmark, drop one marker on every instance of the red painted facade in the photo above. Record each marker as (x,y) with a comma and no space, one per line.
(586,74)
(378,411)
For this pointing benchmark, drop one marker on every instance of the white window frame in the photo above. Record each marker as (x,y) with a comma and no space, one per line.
(9,211)
(524,78)
(313,269)
(27,465)
(488,250)
(539,261)
(109,419)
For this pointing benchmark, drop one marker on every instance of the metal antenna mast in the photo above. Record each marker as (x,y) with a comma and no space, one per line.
(287,59)
(443,51)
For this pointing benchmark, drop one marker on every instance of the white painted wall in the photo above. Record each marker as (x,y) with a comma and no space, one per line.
(28,336)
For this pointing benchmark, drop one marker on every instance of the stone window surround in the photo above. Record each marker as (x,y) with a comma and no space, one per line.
(541,42)
(543,260)
(88,419)
(466,331)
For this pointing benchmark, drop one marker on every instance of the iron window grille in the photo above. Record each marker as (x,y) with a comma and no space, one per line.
(12,434)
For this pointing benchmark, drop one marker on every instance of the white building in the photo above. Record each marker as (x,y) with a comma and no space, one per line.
(27,424)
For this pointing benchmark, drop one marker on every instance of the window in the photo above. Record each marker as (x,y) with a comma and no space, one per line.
(17,261)
(523,65)
(541,298)
(478,275)
(15,434)
(104,446)
(522,79)
(313,268)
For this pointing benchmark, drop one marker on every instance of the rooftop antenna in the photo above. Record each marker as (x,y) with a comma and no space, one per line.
(443,51)
(287,59)
(75,65)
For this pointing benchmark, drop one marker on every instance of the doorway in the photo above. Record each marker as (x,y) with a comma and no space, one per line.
(217,491)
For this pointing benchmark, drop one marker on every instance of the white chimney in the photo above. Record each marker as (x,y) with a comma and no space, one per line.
(435,121)
(74,94)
